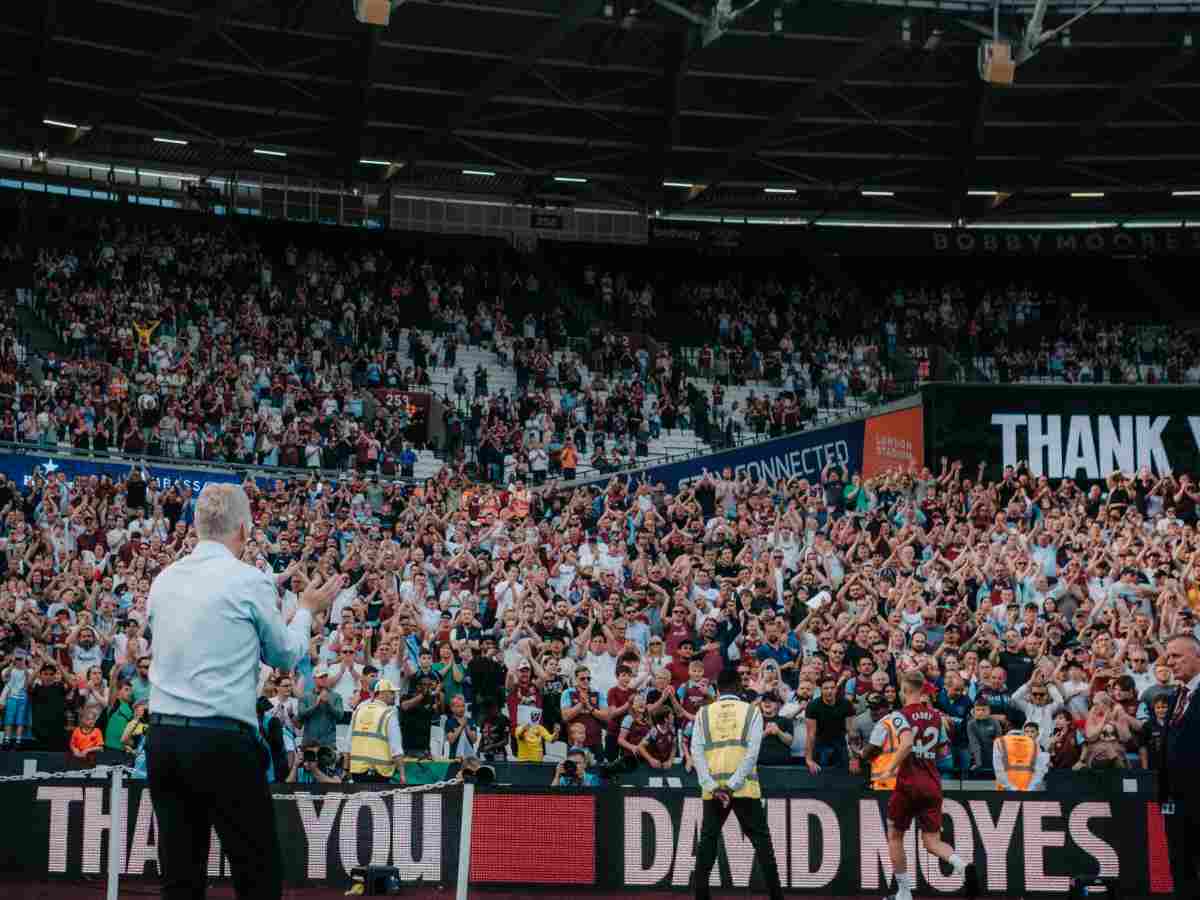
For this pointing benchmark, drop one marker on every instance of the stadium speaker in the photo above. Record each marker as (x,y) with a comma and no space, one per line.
(373,12)
(996,64)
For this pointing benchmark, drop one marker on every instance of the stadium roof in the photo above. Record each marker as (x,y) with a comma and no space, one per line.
(817,101)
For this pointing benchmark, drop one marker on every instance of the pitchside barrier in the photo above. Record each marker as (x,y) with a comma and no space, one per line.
(774,779)
(619,839)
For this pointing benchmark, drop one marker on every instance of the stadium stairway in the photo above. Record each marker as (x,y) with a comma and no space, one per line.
(675,443)
(38,337)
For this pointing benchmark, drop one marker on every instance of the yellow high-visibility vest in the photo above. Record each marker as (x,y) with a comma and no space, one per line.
(725,726)
(883,766)
(1017,755)
(369,749)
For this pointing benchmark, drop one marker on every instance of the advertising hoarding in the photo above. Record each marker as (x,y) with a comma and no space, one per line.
(66,827)
(1083,432)
(893,440)
(20,468)
(620,839)
(801,455)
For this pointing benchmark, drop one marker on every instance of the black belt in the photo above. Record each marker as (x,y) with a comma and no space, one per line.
(219,722)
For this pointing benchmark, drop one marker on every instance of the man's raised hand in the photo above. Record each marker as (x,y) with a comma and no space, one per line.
(318,595)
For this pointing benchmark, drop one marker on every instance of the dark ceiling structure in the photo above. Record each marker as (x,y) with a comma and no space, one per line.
(813,100)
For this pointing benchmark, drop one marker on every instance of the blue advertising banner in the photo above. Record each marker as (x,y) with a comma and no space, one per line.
(20,467)
(798,456)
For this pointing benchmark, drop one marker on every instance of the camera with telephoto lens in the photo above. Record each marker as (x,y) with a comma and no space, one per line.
(325,758)
(616,768)
(475,772)
(570,768)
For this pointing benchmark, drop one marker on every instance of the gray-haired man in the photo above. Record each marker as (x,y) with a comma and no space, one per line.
(215,620)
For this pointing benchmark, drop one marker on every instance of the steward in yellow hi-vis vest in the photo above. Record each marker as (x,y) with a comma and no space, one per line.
(726,726)
(375,737)
(725,742)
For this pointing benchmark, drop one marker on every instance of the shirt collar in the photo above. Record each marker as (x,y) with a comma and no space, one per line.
(212,548)
(1194,684)
(729,697)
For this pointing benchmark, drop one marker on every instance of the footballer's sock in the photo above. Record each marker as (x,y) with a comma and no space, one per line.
(957,864)
(904,886)
(971,882)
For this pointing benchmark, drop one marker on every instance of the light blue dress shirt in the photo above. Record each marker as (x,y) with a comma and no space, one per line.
(214,620)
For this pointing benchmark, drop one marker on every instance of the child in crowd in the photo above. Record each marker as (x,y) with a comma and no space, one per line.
(1156,732)
(694,693)
(635,726)
(982,732)
(532,738)
(16,699)
(86,738)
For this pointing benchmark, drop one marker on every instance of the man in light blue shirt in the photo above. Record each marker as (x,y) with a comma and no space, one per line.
(215,621)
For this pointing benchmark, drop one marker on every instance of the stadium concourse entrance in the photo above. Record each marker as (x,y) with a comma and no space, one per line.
(446,839)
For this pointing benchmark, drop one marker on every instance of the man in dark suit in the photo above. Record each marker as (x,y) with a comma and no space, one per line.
(1177,784)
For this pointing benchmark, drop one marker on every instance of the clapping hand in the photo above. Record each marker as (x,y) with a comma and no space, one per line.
(317,596)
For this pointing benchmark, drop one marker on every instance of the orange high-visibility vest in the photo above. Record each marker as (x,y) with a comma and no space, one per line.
(883,766)
(1017,755)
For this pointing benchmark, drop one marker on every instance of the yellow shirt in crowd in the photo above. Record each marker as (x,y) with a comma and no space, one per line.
(531,742)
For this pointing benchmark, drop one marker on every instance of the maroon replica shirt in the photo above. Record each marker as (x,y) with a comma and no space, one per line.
(616,698)
(660,743)
(919,773)
(692,696)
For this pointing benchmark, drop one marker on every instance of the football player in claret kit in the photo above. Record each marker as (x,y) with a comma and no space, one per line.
(912,739)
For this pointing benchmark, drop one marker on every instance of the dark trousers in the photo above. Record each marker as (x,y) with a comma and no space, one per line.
(1183,850)
(205,778)
(753,819)
(832,755)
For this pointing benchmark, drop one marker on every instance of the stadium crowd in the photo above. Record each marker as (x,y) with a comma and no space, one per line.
(510,609)
(599,615)
(209,344)
(1012,333)
(204,345)
(1025,332)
